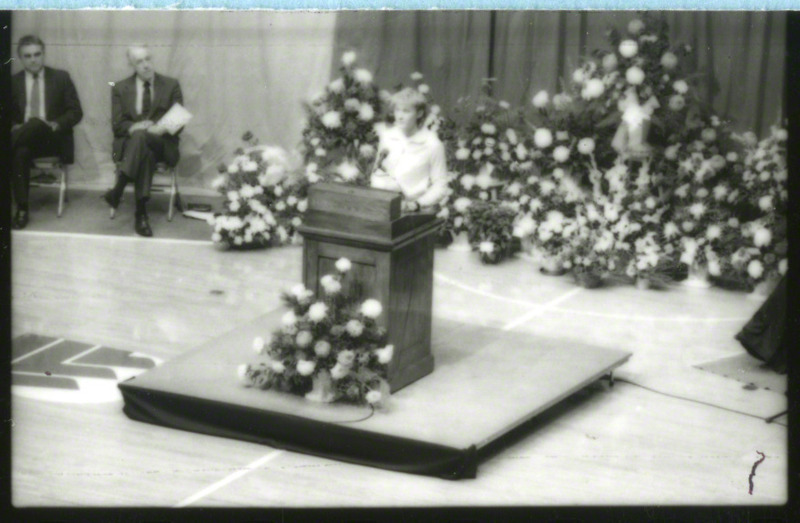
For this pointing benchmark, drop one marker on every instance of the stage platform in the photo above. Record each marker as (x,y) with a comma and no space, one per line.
(486,383)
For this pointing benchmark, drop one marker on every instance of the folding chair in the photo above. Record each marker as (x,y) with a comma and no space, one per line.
(48,171)
(165,178)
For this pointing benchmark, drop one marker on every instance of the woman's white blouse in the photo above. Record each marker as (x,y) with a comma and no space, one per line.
(414,165)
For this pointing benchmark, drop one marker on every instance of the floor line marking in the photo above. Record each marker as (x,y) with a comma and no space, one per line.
(538,310)
(228,479)
(111,237)
(40,349)
(629,317)
(81,354)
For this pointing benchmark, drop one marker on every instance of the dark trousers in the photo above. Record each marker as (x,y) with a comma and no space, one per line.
(140,155)
(34,139)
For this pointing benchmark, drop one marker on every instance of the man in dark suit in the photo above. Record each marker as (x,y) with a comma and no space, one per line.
(44,109)
(137,104)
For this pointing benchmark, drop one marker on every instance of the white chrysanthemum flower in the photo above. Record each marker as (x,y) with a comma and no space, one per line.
(362,76)
(462,204)
(343,265)
(277,367)
(261,344)
(467,181)
(762,237)
(635,26)
(289,319)
(783,266)
(610,62)
(697,210)
(634,75)
(348,171)
(504,105)
(628,48)
(486,247)
(671,230)
(339,371)
(593,88)
(416,76)
(373,396)
(680,86)
(765,203)
(322,348)
(542,138)
(385,354)
(562,101)
(561,154)
(280,206)
(511,136)
(352,105)
(330,284)
(708,135)
(354,328)
(332,120)
(755,269)
(349,58)
(423,88)
(541,99)
(586,146)
(302,205)
(677,102)
(305,367)
(713,232)
(578,76)
(346,357)
(317,312)
(488,128)
(462,153)
(233,168)
(304,339)
(366,113)
(371,308)
(235,205)
(336,86)
(669,60)
(216,237)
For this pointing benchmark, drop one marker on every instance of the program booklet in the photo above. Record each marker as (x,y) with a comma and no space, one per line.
(174,119)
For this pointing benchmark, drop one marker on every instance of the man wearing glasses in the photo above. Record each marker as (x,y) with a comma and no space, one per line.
(45,107)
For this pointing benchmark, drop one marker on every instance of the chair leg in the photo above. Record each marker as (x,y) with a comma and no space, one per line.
(62,193)
(171,203)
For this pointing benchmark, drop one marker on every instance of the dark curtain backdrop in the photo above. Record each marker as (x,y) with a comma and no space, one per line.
(526,51)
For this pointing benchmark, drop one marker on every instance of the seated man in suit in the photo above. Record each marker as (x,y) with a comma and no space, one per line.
(137,104)
(44,109)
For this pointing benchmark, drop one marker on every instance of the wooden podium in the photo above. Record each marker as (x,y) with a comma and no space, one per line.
(392,257)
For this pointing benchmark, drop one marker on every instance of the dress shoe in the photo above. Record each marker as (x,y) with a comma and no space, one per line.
(21,219)
(142,226)
(112,200)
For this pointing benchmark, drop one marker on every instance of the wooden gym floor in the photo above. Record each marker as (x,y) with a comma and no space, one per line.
(667,433)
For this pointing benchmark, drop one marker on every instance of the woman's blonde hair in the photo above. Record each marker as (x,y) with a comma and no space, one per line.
(410,97)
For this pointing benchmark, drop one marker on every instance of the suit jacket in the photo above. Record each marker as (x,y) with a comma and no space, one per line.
(61,103)
(123,112)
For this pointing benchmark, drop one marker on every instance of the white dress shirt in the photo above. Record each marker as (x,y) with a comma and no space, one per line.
(29,90)
(140,93)
(414,165)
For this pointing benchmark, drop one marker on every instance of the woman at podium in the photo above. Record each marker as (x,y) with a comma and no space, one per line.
(411,159)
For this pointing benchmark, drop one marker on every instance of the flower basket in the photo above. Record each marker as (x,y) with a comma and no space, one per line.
(460,243)
(588,279)
(697,277)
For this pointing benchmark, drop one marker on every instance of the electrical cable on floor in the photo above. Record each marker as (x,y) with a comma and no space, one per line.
(699,402)
(368,416)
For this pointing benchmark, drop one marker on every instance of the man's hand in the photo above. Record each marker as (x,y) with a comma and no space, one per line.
(140,126)
(156,129)
(52,125)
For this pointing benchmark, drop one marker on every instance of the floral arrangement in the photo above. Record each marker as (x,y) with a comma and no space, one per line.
(484,153)
(491,226)
(329,347)
(339,141)
(760,243)
(252,186)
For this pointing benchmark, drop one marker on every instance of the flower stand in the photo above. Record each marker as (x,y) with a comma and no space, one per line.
(697,278)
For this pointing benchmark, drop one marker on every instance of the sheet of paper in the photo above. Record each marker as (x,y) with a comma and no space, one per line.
(174,119)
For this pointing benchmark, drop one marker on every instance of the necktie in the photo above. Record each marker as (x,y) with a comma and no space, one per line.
(146,102)
(35,98)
